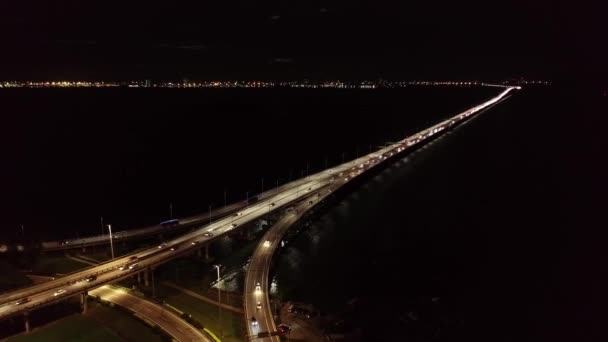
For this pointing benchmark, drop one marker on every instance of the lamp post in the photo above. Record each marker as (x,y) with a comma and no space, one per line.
(219,299)
(111,245)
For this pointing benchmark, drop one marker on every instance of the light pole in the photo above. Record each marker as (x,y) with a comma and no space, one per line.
(111,245)
(219,299)
(209,213)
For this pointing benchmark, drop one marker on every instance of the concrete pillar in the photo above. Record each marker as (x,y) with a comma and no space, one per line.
(26,318)
(146,278)
(153,287)
(207,252)
(83,302)
(198,252)
(139,277)
(84,249)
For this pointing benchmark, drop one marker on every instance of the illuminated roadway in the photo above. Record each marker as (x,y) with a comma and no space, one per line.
(169,322)
(108,272)
(159,229)
(257,301)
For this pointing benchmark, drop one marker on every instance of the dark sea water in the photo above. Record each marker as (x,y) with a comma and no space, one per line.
(71,156)
(490,233)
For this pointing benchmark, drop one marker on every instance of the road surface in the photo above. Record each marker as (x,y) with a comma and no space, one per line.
(109,272)
(165,319)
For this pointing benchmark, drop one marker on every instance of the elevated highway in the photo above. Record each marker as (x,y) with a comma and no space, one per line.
(24,300)
(258,312)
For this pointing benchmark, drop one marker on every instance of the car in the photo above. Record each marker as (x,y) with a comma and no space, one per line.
(266,243)
(23,301)
(123,267)
(239,213)
(290,308)
(310,188)
(233,225)
(272,204)
(309,202)
(318,195)
(135,265)
(133,257)
(257,287)
(63,243)
(283,328)
(58,292)
(258,306)
(207,234)
(90,278)
(289,209)
(162,245)
(194,242)
(254,321)
(174,248)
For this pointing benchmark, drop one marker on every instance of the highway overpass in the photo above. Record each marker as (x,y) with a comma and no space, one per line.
(258,312)
(24,300)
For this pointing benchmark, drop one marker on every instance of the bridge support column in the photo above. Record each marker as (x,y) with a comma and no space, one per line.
(84,249)
(139,278)
(83,302)
(146,278)
(207,253)
(153,287)
(26,318)
(198,252)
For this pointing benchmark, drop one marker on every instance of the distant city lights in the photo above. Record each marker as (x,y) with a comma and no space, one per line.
(260,84)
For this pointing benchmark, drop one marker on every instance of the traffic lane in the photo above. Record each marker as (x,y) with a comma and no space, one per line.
(258,273)
(346,165)
(165,319)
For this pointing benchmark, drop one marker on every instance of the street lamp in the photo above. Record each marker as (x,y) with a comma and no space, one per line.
(219,299)
(111,245)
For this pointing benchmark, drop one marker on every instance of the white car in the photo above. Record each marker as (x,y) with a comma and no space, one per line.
(162,245)
(259,305)
(233,225)
(266,243)
(257,287)
(254,321)
(58,292)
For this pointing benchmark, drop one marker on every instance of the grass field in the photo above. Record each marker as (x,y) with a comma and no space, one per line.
(207,314)
(11,278)
(101,323)
(52,264)
(72,328)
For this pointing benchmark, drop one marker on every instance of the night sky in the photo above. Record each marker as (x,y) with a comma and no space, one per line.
(301,39)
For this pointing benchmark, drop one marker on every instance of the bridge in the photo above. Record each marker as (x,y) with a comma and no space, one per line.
(258,312)
(300,195)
